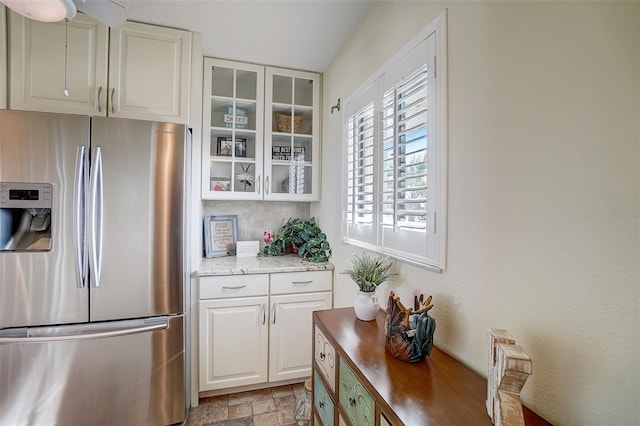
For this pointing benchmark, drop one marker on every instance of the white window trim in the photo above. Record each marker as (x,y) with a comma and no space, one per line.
(438,132)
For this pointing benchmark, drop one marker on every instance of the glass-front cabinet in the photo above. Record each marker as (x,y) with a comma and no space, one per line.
(233,114)
(292,138)
(261,133)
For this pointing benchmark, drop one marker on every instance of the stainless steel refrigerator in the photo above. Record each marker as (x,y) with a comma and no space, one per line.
(91,270)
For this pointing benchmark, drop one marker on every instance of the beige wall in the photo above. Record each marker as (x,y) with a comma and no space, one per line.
(544,183)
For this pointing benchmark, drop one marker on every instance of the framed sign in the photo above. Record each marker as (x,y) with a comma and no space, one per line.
(220,235)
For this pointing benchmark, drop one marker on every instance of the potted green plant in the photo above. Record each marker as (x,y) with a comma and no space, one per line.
(303,237)
(368,273)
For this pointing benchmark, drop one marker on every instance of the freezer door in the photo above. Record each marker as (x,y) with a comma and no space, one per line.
(136,204)
(42,287)
(116,373)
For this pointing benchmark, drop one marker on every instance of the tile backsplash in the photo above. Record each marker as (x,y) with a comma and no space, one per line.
(254,217)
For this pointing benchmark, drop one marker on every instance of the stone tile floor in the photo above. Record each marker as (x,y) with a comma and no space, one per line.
(265,407)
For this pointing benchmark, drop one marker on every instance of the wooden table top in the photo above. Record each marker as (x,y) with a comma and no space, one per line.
(436,391)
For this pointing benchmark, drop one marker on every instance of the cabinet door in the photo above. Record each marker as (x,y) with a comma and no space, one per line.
(292,135)
(232,148)
(41,68)
(3,59)
(291,335)
(149,72)
(233,342)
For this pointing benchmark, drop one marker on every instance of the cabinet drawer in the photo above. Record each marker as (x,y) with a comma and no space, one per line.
(322,401)
(301,282)
(355,401)
(325,356)
(233,286)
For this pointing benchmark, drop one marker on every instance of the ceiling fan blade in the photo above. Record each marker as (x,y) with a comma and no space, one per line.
(106,11)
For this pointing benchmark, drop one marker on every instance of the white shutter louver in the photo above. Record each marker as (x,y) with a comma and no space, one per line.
(360,145)
(404,154)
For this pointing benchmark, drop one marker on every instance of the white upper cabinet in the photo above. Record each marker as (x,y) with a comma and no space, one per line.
(232,139)
(38,74)
(292,135)
(261,135)
(148,69)
(149,72)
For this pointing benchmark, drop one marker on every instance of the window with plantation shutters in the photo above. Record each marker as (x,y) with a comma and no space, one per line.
(395,143)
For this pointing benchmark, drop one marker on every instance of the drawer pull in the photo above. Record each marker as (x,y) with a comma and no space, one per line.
(301,282)
(352,401)
(237,287)
(321,404)
(322,356)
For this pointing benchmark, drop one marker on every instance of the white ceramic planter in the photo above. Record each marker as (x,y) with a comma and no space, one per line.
(366,305)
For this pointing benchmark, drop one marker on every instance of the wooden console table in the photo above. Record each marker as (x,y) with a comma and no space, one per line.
(356,382)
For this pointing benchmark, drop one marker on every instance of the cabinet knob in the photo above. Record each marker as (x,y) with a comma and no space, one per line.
(352,401)
(322,355)
(321,404)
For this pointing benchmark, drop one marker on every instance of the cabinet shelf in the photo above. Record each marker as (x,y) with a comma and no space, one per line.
(225,159)
(296,106)
(291,163)
(297,135)
(229,129)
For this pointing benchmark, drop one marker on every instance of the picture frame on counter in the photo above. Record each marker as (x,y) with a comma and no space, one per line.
(220,235)
(224,147)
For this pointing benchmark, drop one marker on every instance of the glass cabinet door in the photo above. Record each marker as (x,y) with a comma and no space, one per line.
(233,111)
(291,141)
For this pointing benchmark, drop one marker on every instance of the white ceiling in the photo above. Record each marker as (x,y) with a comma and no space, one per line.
(299,34)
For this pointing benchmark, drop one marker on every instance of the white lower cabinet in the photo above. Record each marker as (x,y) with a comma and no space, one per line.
(233,342)
(258,328)
(290,351)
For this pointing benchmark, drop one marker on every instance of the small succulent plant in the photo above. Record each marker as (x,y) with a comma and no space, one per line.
(369,272)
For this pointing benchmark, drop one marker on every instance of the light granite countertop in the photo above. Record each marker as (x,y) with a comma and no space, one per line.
(232,265)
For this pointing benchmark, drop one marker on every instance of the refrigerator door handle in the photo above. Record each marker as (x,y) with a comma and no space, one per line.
(79,218)
(152,324)
(95,217)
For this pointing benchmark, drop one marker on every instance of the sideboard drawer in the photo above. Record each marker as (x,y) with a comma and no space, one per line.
(301,282)
(224,286)
(356,402)
(325,356)
(384,421)
(322,402)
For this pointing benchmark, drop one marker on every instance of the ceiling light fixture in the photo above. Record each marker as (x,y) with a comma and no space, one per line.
(43,10)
